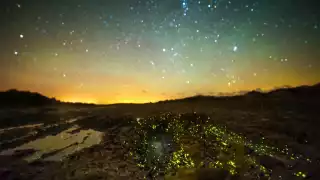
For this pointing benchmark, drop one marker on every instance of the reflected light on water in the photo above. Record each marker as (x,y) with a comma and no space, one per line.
(63,144)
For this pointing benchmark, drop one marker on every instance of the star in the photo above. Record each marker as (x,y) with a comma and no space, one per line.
(157,45)
(235,48)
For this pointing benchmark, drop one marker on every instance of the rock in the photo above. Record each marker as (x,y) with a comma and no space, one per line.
(200,174)
(248,150)
(113,174)
(122,165)
(96,154)
(74,157)
(72,173)
(302,138)
(23,153)
(270,162)
(209,174)
(5,173)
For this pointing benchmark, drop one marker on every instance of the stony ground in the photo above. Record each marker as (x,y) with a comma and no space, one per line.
(171,142)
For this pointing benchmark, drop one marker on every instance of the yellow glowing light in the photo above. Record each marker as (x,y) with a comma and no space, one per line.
(79,100)
(232,163)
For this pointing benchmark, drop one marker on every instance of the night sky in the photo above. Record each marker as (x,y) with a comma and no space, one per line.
(110,51)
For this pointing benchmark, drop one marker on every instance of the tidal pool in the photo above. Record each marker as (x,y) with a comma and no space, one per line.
(57,147)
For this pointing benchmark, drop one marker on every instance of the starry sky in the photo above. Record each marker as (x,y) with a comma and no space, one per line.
(106,51)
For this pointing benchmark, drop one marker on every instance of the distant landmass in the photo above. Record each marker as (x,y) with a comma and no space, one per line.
(17,98)
(283,93)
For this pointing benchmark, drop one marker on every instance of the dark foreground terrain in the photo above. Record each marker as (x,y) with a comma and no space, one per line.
(254,136)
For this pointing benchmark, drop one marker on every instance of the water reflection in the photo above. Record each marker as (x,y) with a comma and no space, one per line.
(55,148)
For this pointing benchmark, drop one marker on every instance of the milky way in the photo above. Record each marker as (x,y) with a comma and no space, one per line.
(141,51)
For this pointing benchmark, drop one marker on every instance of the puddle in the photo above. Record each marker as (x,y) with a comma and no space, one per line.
(72,120)
(55,148)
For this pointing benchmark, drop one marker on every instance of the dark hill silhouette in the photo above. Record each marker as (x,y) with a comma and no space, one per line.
(285,93)
(309,95)
(302,98)
(15,98)
(298,92)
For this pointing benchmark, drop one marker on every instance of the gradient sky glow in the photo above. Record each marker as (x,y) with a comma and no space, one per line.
(107,51)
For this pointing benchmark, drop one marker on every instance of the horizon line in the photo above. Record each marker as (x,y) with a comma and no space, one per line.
(218,94)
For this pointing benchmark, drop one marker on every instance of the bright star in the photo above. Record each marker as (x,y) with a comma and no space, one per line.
(235,48)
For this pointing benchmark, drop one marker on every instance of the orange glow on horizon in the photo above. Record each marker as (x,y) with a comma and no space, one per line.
(139,98)
(111,100)
(78,100)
